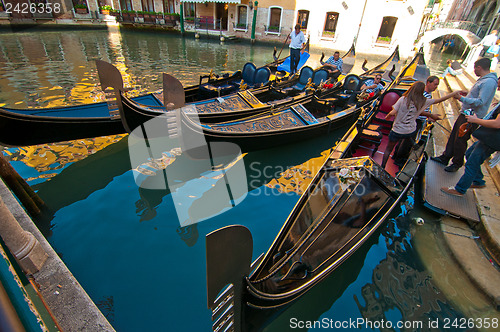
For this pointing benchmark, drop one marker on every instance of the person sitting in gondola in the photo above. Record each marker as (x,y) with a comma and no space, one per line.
(406,111)
(333,65)
(373,85)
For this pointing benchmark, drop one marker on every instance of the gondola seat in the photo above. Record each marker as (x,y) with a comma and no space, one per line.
(388,101)
(209,90)
(371,136)
(349,90)
(248,73)
(320,75)
(306,73)
(253,77)
(261,76)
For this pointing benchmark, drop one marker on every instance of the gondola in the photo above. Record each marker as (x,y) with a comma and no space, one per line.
(390,63)
(284,125)
(349,198)
(280,126)
(22,127)
(240,104)
(231,107)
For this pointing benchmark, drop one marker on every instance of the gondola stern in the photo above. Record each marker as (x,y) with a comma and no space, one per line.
(229,257)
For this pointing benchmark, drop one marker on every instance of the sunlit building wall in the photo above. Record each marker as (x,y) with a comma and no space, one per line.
(377,26)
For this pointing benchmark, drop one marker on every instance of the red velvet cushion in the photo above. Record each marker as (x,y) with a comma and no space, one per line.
(390,99)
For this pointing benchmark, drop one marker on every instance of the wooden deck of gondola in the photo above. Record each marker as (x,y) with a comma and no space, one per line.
(435,178)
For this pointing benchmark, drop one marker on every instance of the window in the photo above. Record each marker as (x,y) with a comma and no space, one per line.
(330,24)
(274,20)
(242,19)
(126,5)
(148,6)
(189,10)
(303,18)
(386,29)
(169,6)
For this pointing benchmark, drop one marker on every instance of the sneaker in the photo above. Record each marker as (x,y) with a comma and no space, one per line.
(477,186)
(439,160)
(452,168)
(451,191)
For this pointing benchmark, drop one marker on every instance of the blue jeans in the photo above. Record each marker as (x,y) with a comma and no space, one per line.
(450,71)
(475,155)
(294,59)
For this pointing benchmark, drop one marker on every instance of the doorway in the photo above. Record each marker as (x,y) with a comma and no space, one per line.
(221,15)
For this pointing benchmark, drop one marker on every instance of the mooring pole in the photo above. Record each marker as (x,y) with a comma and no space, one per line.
(182,18)
(254,22)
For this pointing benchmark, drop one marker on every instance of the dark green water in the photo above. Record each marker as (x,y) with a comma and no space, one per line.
(138,260)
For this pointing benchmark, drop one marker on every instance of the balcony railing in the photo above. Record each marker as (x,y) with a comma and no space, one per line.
(463,25)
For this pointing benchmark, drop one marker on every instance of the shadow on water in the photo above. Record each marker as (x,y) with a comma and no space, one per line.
(84,177)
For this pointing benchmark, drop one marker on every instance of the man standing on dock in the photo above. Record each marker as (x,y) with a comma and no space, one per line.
(488,136)
(478,99)
(488,41)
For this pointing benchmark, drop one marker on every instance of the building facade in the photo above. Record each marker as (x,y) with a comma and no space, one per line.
(376,26)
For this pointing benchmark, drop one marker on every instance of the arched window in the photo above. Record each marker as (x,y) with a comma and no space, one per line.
(274,20)
(303,18)
(387,29)
(242,17)
(330,24)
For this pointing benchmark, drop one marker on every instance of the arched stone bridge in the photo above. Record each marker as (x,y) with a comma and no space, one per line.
(469,37)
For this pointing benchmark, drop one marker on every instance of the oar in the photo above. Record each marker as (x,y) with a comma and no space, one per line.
(436,122)
(276,58)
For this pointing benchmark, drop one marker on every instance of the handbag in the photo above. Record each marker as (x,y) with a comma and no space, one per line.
(488,136)
(465,128)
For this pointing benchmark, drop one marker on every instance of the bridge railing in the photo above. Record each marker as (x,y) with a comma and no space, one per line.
(463,25)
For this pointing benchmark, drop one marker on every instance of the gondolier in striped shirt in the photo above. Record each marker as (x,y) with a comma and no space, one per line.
(334,65)
(297,46)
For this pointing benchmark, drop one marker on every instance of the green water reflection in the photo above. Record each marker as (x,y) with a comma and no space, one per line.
(125,244)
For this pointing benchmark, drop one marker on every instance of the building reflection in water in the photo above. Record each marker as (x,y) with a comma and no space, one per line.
(400,284)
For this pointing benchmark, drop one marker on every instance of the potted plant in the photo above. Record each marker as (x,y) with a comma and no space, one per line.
(81,8)
(241,26)
(328,34)
(105,10)
(273,29)
(384,40)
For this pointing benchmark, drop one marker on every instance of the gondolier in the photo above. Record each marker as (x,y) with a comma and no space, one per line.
(297,46)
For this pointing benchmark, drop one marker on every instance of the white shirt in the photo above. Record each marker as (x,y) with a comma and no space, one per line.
(489,40)
(297,39)
(405,120)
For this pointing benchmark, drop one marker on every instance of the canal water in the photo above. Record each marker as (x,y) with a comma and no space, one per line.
(134,250)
